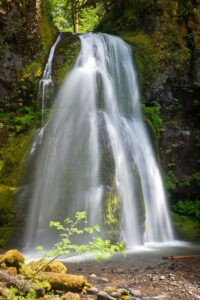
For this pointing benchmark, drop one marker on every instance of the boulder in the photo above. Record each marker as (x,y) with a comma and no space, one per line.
(35,266)
(70,296)
(12,258)
(65,282)
(104,296)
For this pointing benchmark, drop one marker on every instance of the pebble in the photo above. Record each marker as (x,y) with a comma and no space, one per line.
(115,295)
(92,291)
(110,289)
(122,291)
(103,280)
(104,296)
(162,277)
(93,276)
(135,293)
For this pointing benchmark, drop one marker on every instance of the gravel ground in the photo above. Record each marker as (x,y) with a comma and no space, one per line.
(145,279)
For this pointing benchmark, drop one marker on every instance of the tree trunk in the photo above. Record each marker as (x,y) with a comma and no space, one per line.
(75,8)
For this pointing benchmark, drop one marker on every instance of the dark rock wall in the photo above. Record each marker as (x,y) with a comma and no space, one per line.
(25,39)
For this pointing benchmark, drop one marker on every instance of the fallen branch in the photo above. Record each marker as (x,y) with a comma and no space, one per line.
(20,284)
(182,256)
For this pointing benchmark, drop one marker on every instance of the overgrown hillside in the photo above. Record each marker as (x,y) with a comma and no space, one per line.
(25,39)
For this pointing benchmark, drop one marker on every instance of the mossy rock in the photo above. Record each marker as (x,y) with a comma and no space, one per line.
(34,266)
(70,296)
(112,212)
(13,157)
(187,227)
(125,297)
(7,214)
(11,271)
(64,57)
(12,258)
(65,282)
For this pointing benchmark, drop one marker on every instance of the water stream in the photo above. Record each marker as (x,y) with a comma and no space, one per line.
(46,84)
(97,110)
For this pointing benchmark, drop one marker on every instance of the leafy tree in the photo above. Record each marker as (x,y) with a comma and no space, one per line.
(74,15)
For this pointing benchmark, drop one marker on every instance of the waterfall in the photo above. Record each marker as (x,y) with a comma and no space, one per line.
(97,109)
(46,84)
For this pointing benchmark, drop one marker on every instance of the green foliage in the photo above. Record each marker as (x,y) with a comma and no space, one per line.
(153,113)
(60,12)
(20,120)
(197,139)
(187,227)
(168,151)
(112,212)
(13,156)
(196,178)
(175,124)
(188,208)
(101,248)
(31,294)
(171,180)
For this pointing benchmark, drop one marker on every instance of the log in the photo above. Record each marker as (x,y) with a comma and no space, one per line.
(65,282)
(20,284)
(182,256)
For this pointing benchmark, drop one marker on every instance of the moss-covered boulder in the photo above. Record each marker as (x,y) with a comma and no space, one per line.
(12,258)
(65,282)
(35,266)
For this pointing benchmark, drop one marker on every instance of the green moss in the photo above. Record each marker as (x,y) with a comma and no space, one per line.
(65,55)
(13,156)
(7,214)
(112,209)
(187,227)
(32,72)
(144,55)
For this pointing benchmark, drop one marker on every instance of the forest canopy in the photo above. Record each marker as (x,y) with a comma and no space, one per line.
(74,15)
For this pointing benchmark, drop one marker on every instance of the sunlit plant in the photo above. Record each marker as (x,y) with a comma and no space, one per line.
(100,248)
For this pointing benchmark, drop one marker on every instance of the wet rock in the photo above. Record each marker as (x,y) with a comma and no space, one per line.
(104,296)
(135,293)
(92,291)
(70,296)
(115,294)
(122,292)
(93,276)
(118,270)
(103,280)
(110,289)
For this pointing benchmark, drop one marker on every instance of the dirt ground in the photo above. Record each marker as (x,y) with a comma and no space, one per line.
(155,279)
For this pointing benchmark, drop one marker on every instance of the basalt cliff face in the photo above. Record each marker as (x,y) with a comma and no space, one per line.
(25,39)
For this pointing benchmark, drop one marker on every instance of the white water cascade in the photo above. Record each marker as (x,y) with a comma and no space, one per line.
(99,101)
(46,84)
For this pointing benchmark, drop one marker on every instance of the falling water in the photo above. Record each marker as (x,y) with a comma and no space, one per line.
(99,100)
(46,84)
